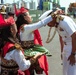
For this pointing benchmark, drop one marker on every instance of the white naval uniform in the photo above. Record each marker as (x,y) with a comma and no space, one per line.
(65,29)
(27,35)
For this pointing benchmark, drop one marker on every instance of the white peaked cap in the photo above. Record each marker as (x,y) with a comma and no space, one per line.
(58,9)
(45,14)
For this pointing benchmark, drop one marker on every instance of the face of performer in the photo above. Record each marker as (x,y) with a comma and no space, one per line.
(27,17)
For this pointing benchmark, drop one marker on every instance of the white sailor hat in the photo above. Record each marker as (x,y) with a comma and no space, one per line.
(45,14)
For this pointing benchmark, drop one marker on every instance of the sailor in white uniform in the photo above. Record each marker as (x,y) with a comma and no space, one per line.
(66,28)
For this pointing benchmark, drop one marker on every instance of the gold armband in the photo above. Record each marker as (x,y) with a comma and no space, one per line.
(18,46)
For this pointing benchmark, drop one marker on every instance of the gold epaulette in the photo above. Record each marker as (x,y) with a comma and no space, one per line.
(59,18)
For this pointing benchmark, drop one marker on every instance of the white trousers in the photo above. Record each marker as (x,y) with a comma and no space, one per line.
(67,68)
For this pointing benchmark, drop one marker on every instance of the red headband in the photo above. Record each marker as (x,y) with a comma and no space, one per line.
(3,23)
(20,11)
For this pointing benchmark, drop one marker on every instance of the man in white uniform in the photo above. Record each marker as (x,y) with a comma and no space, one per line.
(66,28)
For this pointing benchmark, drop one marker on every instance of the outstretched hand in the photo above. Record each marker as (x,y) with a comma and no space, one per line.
(38,55)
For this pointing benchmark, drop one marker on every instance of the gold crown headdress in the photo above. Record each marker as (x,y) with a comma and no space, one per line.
(3,9)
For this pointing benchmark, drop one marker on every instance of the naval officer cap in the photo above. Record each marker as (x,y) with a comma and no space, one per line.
(45,14)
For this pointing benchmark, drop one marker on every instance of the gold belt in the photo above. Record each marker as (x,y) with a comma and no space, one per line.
(27,44)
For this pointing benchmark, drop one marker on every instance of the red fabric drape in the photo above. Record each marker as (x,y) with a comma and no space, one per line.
(37,37)
(7,47)
(42,60)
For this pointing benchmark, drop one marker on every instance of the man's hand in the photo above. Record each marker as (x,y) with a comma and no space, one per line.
(72,57)
(72,60)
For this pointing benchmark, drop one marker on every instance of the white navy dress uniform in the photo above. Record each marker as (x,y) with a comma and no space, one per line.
(65,29)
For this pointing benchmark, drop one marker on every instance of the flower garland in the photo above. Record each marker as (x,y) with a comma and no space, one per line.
(58,19)
(48,38)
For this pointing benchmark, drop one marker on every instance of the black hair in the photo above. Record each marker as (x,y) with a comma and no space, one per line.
(20,20)
(10,13)
(4,34)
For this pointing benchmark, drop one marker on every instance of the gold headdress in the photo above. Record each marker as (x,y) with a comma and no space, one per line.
(3,9)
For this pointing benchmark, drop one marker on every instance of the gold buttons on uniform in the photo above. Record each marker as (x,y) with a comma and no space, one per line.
(65,36)
(65,43)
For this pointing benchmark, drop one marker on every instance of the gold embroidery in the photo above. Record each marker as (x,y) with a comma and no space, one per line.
(27,44)
(59,18)
(65,43)
(8,63)
(8,66)
(18,47)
